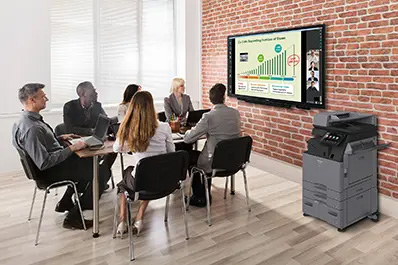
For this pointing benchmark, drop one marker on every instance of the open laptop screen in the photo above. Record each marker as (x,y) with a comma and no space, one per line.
(195,116)
(101,127)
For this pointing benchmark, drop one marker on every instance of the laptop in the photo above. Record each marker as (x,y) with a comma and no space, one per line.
(97,139)
(195,116)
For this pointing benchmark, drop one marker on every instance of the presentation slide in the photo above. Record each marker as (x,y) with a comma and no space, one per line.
(269,66)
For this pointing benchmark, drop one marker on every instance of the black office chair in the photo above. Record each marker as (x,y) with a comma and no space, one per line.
(33,173)
(162,116)
(156,177)
(229,157)
(60,129)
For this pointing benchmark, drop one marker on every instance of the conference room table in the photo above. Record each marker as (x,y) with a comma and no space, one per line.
(107,149)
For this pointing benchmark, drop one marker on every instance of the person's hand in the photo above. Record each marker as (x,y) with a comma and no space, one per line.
(70,136)
(78,146)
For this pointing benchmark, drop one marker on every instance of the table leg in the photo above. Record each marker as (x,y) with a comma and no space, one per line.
(121,163)
(95,197)
(233,185)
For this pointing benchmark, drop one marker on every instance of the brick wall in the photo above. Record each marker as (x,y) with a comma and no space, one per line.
(361,69)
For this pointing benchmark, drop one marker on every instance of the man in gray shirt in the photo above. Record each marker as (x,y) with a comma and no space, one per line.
(54,159)
(221,123)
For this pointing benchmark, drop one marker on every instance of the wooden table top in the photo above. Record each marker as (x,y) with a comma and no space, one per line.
(106,149)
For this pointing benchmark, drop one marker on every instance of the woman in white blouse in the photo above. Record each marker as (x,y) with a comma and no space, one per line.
(127,96)
(143,135)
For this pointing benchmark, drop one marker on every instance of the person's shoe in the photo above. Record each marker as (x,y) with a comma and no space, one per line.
(75,222)
(64,205)
(121,229)
(196,201)
(137,227)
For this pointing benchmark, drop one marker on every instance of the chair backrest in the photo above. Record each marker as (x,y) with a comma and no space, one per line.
(60,129)
(232,154)
(30,169)
(162,116)
(161,173)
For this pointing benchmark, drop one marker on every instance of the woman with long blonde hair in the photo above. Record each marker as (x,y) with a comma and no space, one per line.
(143,135)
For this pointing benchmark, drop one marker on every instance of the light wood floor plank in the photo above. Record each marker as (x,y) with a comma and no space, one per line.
(274,232)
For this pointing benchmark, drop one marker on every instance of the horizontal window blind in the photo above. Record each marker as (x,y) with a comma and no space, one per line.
(111,43)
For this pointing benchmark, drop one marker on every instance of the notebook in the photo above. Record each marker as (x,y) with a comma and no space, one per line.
(97,139)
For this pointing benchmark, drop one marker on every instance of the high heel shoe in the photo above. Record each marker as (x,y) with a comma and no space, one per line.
(121,229)
(138,226)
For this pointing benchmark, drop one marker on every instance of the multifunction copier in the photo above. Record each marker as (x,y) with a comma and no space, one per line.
(340,169)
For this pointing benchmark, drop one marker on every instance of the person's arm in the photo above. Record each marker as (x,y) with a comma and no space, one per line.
(167,109)
(70,125)
(34,146)
(198,131)
(170,147)
(119,148)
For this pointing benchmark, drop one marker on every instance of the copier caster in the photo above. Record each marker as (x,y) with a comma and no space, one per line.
(374,217)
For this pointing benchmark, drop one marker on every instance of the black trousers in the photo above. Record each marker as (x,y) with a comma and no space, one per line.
(79,170)
(198,187)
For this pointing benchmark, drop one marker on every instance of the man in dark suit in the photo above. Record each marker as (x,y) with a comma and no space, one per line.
(80,116)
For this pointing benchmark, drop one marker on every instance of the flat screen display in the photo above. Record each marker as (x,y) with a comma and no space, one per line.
(282,68)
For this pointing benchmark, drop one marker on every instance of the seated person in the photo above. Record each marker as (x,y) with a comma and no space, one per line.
(127,96)
(54,161)
(313,67)
(143,135)
(81,115)
(313,77)
(312,57)
(221,123)
(312,92)
(177,104)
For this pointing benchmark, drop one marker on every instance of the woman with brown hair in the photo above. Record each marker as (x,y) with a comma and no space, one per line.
(127,96)
(141,134)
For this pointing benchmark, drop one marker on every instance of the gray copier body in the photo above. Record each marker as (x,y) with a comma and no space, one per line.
(340,169)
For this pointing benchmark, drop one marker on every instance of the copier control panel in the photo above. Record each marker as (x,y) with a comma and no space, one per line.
(332,139)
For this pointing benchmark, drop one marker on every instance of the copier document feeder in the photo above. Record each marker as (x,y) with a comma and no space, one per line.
(340,169)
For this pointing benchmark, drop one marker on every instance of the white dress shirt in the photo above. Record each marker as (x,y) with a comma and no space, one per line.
(160,143)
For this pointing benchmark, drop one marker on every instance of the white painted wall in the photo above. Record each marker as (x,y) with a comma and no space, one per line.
(25,57)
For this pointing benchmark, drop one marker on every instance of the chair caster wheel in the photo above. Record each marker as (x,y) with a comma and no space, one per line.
(341,229)
(95,235)
(305,214)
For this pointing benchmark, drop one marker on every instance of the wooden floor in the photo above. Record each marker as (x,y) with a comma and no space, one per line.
(274,232)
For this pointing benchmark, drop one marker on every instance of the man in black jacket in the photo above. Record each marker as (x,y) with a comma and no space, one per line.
(80,116)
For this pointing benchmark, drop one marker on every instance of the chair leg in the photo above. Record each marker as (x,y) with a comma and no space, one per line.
(78,205)
(113,181)
(246,189)
(115,218)
(121,163)
(166,211)
(130,230)
(184,212)
(207,201)
(226,188)
(33,202)
(233,184)
(41,217)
